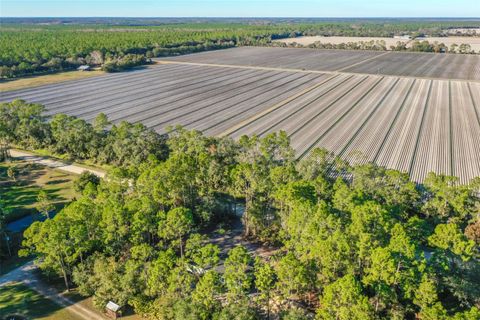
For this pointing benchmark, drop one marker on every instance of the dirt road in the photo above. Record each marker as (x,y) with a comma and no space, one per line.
(26,275)
(71,168)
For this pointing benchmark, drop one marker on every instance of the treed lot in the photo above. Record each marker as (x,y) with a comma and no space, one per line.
(349,242)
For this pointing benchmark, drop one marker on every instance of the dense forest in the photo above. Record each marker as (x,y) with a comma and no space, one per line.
(338,241)
(32,48)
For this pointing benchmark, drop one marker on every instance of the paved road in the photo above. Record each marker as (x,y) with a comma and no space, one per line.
(71,168)
(26,275)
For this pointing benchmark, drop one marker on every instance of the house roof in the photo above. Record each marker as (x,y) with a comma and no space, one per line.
(113,306)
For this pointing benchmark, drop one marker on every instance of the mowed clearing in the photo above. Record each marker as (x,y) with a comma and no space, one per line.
(18,299)
(35,81)
(413,124)
(20,195)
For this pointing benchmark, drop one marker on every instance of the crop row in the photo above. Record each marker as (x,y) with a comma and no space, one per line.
(413,125)
(429,65)
(410,124)
(210,99)
(291,58)
(445,66)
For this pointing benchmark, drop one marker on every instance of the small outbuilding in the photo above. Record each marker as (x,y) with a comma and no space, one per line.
(113,310)
(83,68)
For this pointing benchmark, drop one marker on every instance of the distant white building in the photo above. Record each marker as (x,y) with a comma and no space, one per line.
(404,37)
(83,68)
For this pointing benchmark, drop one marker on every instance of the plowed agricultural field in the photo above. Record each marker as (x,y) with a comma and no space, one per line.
(446,66)
(417,122)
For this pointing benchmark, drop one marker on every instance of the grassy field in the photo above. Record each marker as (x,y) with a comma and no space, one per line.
(20,300)
(35,81)
(20,196)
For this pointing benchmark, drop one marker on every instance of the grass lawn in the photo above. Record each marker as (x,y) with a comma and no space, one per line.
(20,196)
(20,300)
(34,81)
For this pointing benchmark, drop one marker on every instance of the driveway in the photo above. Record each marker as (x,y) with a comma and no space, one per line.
(26,274)
(56,164)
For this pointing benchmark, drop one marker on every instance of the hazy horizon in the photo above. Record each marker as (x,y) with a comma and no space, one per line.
(245,17)
(238,9)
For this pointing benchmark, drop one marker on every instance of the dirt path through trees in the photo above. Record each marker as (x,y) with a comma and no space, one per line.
(71,168)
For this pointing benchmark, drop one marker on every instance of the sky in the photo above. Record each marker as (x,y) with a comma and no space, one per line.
(240,8)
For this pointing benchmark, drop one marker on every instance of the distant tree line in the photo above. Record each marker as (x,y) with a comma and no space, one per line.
(427,46)
(32,48)
(380,45)
(375,45)
(346,241)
